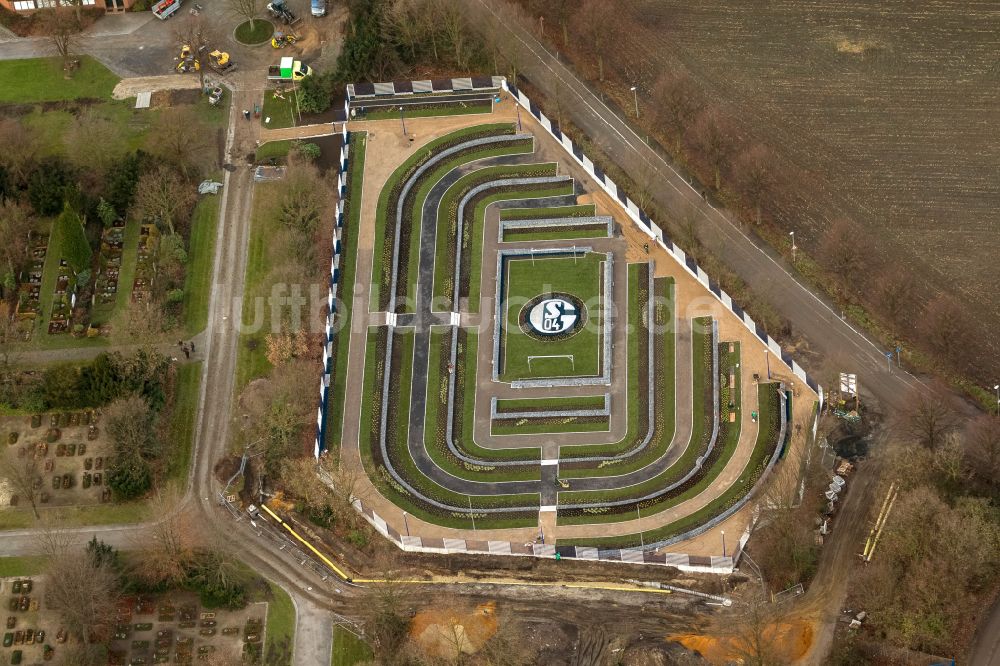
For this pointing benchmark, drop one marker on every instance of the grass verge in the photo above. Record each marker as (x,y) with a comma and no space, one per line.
(348,649)
(21,566)
(274,149)
(180,430)
(43,80)
(578,210)
(429,111)
(201,256)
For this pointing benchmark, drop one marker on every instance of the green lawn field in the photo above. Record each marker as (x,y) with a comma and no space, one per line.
(528,278)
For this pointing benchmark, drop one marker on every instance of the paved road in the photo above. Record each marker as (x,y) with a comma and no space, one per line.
(765,273)
(986,646)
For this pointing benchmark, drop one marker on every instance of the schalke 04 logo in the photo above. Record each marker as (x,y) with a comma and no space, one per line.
(553,316)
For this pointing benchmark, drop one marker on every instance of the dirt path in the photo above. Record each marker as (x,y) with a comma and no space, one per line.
(131,87)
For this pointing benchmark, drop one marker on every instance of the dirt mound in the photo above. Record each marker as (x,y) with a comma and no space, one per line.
(788,641)
(131,87)
(444,633)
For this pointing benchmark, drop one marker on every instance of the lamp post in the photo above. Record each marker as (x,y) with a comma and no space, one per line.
(541,26)
(997,389)
(406,524)
(723,533)
(635,96)
(517,107)
(402,120)
(767,361)
(792,234)
(471,515)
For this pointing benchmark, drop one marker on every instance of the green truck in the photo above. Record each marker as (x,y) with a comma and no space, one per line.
(288,69)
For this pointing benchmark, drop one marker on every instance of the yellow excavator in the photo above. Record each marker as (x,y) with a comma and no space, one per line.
(220,62)
(281,39)
(188,63)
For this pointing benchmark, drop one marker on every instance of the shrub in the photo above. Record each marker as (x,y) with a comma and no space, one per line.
(308,151)
(47,186)
(316,93)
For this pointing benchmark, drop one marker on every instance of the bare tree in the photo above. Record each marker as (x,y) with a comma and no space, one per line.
(453,21)
(841,252)
(929,418)
(754,176)
(945,328)
(199,33)
(593,22)
(984,448)
(894,293)
(16,223)
(387,606)
(715,140)
(168,550)
(677,102)
(405,21)
(24,474)
(181,137)
(750,625)
(94,142)
(63,31)
(245,9)
(21,146)
(84,593)
(162,195)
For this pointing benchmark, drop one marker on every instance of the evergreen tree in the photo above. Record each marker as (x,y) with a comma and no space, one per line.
(73,240)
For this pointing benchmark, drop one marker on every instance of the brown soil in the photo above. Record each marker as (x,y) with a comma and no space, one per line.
(445,632)
(790,641)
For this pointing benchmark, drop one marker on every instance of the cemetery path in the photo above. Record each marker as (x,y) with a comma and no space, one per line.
(172,350)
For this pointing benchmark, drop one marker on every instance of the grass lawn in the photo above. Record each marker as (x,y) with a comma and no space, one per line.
(526,279)
(429,111)
(76,516)
(348,649)
(251,360)
(257,31)
(404,464)
(21,566)
(543,404)
(345,293)
(50,274)
(579,210)
(52,125)
(437,399)
(201,255)
(383,215)
(555,233)
(43,80)
(274,149)
(280,111)
(180,433)
(280,624)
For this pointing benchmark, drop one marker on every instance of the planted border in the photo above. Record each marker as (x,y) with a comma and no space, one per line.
(435,424)
(381,477)
(381,278)
(769,408)
(413,211)
(576,210)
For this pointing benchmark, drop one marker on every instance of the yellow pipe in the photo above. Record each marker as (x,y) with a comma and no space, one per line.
(308,545)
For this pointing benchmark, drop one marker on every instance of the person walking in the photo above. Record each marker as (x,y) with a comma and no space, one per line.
(246,114)
(187,352)
(192,346)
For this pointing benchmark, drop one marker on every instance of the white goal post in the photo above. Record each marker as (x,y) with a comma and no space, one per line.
(571,357)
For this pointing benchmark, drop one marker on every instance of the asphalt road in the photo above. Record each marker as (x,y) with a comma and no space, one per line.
(826,333)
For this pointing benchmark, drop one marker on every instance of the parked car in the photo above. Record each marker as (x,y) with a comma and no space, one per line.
(317,7)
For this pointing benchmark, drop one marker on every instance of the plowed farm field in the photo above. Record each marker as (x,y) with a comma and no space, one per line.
(889,110)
